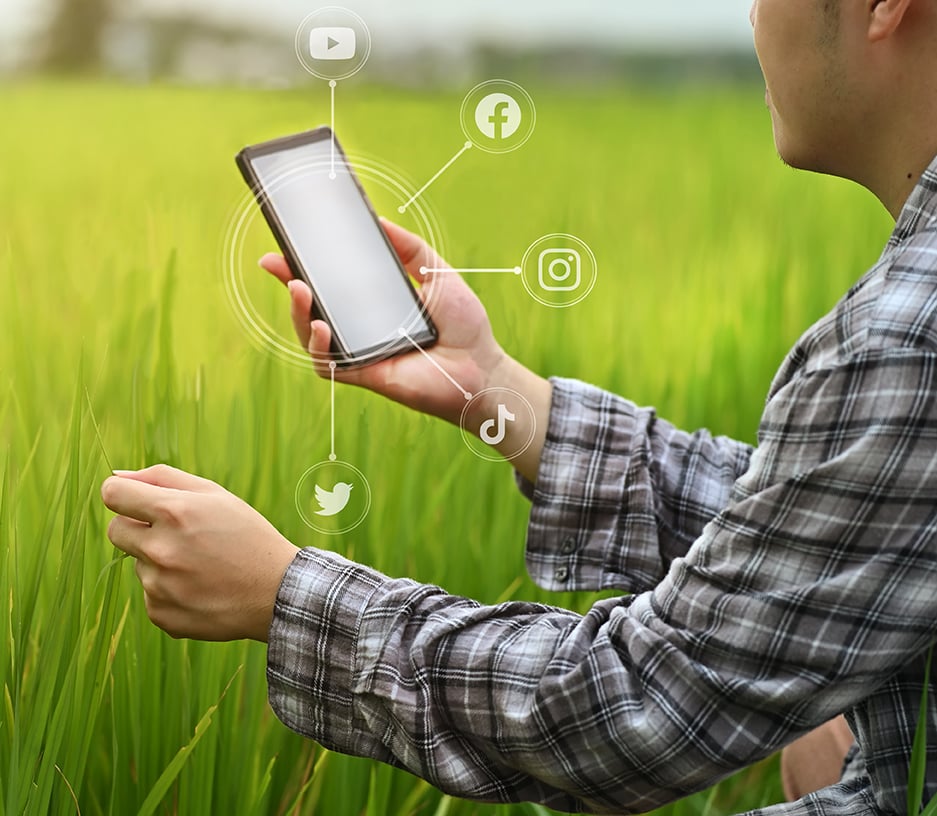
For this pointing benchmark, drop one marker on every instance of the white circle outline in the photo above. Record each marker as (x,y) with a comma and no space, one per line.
(498,82)
(247,210)
(583,245)
(468,435)
(308,473)
(297,46)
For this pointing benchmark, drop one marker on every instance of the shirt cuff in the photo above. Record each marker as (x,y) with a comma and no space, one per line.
(592,524)
(312,645)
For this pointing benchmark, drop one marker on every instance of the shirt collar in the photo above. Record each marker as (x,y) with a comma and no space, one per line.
(920,210)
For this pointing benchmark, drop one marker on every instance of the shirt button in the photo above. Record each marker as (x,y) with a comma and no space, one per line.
(561,574)
(568,546)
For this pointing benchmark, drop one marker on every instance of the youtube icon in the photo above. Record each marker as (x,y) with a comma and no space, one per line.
(332,43)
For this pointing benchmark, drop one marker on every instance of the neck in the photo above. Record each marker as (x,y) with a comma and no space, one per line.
(900,141)
(896,179)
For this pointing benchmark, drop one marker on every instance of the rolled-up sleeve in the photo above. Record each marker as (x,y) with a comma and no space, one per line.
(620,492)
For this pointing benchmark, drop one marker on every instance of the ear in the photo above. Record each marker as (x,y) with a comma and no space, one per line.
(885,17)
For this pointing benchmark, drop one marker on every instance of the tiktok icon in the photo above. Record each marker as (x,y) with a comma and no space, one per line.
(496,437)
(493,432)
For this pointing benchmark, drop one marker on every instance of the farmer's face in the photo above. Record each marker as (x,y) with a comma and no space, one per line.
(809,53)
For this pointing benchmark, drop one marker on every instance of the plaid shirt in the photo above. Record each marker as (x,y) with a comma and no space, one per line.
(773,588)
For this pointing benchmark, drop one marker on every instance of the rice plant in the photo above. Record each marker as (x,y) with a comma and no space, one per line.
(121,350)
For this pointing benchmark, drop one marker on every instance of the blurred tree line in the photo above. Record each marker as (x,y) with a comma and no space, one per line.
(74,38)
(122,39)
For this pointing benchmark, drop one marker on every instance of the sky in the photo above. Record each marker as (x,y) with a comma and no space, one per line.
(670,24)
(658,22)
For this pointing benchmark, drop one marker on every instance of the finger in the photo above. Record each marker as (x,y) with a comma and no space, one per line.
(300,295)
(420,260)
(149,574)
(320,340)
(167,476)
(414,253)
(277,266)
(300,307)
(319,348)
(128,535)
(131,498)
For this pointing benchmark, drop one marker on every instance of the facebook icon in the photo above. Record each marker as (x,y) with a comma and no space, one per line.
(498,116)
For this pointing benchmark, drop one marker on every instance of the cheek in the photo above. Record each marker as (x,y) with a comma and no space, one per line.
(784,63)
(776,41)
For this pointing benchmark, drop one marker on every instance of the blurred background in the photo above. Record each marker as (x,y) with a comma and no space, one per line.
(118,191)
(416,43)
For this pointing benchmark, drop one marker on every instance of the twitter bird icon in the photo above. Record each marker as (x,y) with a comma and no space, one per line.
(333,501)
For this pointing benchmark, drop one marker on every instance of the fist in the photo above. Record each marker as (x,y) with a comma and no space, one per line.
(209,564)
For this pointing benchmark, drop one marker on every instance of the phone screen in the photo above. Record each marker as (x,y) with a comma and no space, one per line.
(359,285)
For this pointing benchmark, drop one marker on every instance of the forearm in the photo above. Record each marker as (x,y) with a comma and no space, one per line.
(621,710)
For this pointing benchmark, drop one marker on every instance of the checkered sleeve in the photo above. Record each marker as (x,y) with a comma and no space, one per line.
(620,492)
(812,586)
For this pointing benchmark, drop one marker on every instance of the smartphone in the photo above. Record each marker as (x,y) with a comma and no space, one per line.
(331,238)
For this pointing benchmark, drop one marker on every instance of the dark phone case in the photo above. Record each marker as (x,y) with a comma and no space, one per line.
(344,357)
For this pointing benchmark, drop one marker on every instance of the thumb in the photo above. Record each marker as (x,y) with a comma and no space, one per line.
(167,476)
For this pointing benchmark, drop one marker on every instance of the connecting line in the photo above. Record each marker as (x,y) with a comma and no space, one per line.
(332,85)
(405,333)
(332,400)
(403,207)
(514,270)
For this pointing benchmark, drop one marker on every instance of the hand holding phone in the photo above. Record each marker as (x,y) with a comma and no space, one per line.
(466,348)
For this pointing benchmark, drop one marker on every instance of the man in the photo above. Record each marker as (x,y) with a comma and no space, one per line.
(775,588)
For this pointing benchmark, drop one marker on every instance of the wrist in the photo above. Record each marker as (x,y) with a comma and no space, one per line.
(524,437)
(269,581)
(505,375)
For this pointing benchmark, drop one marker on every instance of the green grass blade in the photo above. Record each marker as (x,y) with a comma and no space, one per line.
(709,807)
(918,769)
(931,808)
(168,776)
(418,791)
(379,791)
(260,793)
(97,432)
(312,786)
(445,804)
(71,790)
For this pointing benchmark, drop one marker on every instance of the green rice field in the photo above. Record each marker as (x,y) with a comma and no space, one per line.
(122,348)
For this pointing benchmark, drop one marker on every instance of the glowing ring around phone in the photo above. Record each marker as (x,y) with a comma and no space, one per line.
(258,328)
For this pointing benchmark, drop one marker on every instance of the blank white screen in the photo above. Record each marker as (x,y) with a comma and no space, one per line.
(339,245)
